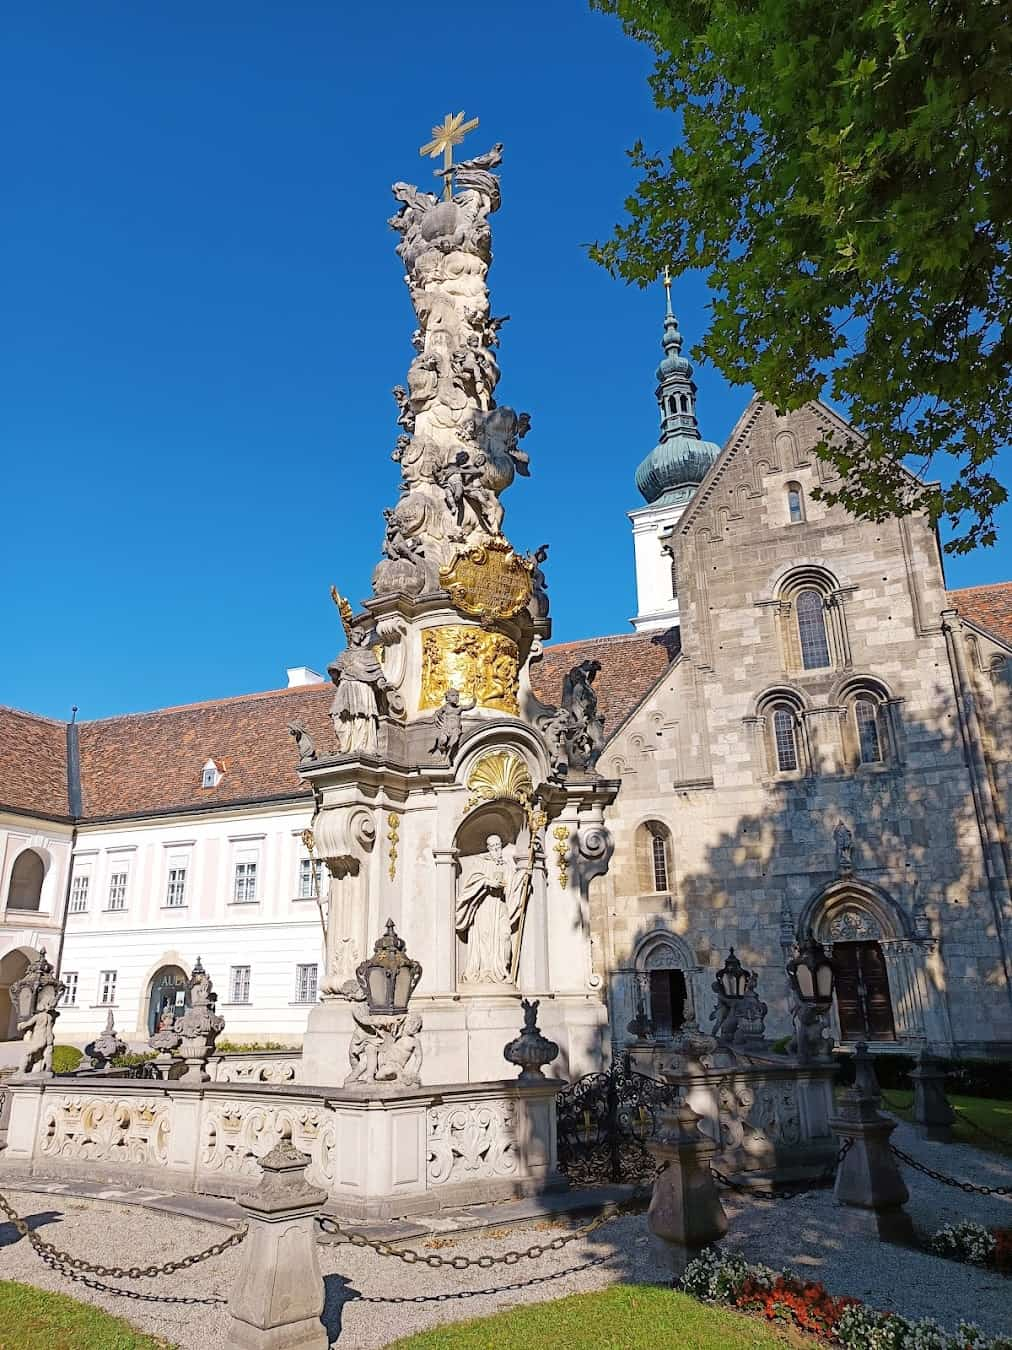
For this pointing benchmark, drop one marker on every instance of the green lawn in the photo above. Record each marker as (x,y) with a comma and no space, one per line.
(34,1319)
(993,1115)
(624,1317)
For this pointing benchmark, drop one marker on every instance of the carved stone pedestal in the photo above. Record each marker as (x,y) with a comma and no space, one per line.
(279,1294)
(685,1210)
(868,1180)
(933,1116)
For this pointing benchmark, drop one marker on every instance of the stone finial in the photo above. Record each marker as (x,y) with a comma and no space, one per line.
(106,1046)
(868,1180)
(530,1049)
(200,1026)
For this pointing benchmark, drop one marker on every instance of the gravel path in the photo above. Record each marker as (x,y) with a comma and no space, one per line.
(805,1233)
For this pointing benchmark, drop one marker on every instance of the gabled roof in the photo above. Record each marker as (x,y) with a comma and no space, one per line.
(150,762)
(33,765)
(988,607)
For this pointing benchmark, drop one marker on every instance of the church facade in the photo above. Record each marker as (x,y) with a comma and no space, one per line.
(809,731)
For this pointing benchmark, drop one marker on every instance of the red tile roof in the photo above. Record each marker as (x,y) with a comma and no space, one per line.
(988,607)
(33,764)
(631,664)
(152,761)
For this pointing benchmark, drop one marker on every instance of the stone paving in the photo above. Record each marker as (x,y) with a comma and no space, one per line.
(808,1233)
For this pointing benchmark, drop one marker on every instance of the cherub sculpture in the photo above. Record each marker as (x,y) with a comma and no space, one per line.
(448,723)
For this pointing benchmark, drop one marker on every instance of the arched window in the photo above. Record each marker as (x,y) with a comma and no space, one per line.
(869,739)
(810,609)
(795,503)
(654,848)
(785,739)
(25,890)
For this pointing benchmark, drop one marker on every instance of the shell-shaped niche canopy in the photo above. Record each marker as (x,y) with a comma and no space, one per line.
(499,775)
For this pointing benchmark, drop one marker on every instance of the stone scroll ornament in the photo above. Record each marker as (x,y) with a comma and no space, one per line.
(458,449)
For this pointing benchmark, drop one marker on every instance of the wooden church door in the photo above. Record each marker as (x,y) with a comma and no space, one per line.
(862,992)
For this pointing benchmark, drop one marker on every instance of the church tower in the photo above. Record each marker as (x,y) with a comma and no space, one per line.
(667,478)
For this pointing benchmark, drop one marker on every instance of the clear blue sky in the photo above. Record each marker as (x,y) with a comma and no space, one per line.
(203,316)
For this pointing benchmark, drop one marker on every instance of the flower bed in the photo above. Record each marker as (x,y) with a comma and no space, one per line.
(781,1296)
(975,1244)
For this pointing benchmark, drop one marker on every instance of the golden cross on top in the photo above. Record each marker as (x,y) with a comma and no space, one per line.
(450,132)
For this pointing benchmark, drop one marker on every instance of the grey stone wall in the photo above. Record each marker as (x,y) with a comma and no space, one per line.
(751,849)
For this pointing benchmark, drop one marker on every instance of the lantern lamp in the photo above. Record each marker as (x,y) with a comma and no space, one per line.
(732,976)
(389,977)
(812,973)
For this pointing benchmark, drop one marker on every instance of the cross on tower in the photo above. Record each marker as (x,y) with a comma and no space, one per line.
(450,132)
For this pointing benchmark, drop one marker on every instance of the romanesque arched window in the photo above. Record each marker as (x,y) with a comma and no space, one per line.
(654,858)
(869,738)
(785,739)
(869,735)
(795,503)
(812,622)
(810,609)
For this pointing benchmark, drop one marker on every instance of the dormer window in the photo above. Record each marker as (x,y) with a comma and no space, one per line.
(210,774)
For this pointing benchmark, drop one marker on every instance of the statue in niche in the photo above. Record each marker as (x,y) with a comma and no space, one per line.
(844,843)
(586,739)
(489,903)
(360,684)
(448,723)
(539,586)
(304,743)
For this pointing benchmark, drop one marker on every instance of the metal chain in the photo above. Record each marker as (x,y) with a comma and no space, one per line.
(53,1254)
(967,1186)
(824,1178)
(435,1262)
(494,1289)
(99,1287)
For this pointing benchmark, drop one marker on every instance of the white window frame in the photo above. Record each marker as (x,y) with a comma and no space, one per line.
(71,979)
(244,879)
(174,885)
(304,982)
(239,986)
(107,988)
(116,897)
(304,883)
(79,888)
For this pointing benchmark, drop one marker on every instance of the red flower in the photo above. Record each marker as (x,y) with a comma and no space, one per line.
(804,1303)
(1002,1257)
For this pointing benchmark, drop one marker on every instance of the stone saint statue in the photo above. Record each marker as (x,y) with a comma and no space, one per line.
(354,710)
(844,844)
(448,723)
(488,909)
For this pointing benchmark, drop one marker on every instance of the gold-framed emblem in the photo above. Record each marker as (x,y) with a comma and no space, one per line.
(489,582)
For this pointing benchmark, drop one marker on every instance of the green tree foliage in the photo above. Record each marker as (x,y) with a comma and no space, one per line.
(844,177)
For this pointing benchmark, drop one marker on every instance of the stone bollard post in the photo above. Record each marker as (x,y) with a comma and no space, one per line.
(933,1116)
(865,1078)
(868,1180)
(685,1210)
(278,1296)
